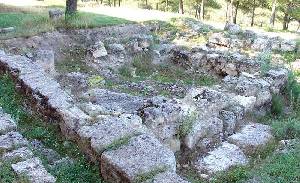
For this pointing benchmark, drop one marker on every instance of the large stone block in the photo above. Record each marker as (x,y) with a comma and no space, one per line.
(252,137)
(12,140)
(221,159)
(34,171)
(142,155)
(110,130)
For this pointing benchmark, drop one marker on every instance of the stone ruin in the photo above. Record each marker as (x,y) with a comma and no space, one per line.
(209,130)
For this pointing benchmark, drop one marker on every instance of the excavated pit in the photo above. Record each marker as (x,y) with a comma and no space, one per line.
(95,84)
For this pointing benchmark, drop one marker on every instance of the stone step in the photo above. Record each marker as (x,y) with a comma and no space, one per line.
(143,155)
(111,131)
(252,137)
(33,170)
(221,159)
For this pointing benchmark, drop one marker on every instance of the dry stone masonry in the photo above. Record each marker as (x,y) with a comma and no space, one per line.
(14,148)
(135,138)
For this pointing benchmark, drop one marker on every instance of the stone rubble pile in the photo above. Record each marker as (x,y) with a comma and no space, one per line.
(205,59)
(235,38)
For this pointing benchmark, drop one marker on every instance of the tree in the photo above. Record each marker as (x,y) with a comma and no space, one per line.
(181,7)
(249,6)
(71,7)
(273,13)
(290,9)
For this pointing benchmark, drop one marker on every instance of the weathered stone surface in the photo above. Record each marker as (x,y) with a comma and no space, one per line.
(6,123)
(34,171)
(143,154)
(20,154)
(252,137)
(116,48)
(204,128)
(167,177)
(114,103)
(110,130)
(7,30)
(45,58)
(288,45)
(229,121)
(55,14)
(12,140)
(98,50)
(163,116)
(232,28)
(221,159)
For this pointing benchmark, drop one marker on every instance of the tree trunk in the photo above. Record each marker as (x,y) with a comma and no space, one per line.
(146,2)
(286,18)
(109,3)
(272,18)
(156,6)
(227,8)
(181,7)
(235,12)
(119,3)
(285,24)
(115,3)
(230,12)
(71,7)
(202,10)
(167,4)
(253,14)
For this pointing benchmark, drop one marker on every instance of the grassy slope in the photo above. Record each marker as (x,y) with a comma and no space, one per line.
(29,22)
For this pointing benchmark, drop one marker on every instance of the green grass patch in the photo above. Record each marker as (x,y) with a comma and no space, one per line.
(28,22)
(33,127)
(149,175)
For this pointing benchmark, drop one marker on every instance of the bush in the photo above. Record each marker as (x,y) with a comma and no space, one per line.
(286,128)
(277,104)
(292,90)
(265,59)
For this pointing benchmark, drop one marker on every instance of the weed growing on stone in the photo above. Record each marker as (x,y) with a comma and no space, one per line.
(118,143)
(265,59)
(95,81)
(149,175)
(186,124)
(32,127)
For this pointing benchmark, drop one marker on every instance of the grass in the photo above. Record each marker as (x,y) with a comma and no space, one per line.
(149,175)
(276,167)
(145,69)
(33,127)
(29,22)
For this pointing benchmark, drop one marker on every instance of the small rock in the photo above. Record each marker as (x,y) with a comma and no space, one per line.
(232,28)
(55,14)
(98,50)
(7,30)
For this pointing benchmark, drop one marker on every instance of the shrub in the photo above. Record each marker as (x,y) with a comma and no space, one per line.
(277,104)
(286,128)
(265,59)
(125,71)
(292,90)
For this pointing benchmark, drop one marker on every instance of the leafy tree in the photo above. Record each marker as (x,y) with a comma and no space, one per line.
(290,9)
